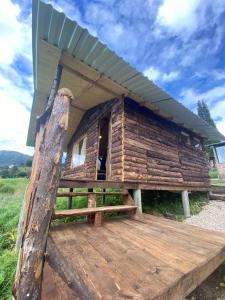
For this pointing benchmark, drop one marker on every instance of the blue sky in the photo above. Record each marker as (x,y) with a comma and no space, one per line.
(179,44)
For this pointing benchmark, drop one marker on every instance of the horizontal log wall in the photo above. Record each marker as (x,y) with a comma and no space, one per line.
(155,153)
(89,127)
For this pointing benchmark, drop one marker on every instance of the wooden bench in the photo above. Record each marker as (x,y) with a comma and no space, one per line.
(98,212)
(74,194)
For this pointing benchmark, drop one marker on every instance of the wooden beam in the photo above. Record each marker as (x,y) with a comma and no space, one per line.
(69,274)
(92,82)
(186,205)
(137,200)
(40,199)
(73,194)
(55,85)
(172,186)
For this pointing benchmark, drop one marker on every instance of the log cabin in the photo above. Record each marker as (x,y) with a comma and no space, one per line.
(121,131)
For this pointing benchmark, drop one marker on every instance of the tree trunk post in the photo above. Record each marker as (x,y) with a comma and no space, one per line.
(186,205)
(137,200)
(40,198)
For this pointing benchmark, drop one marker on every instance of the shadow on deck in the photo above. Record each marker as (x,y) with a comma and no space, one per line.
(153,258)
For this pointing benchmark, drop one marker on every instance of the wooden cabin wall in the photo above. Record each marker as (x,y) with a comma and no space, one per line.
(155,153)
(116,161)
(89,126)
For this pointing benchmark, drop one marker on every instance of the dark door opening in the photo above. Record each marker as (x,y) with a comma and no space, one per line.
(103,154)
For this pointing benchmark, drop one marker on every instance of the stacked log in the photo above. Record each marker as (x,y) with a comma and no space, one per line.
(154,152)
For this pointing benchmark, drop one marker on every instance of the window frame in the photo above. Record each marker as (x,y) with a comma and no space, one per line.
(76,144)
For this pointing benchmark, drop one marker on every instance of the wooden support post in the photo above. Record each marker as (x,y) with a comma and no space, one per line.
(186,205)
(91,204)
(137,200)
(40,197)
(67,272)
(70,200)
(55,86)
(98,218)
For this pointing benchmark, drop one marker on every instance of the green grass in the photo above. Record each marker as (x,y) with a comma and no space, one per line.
(164,203)
(213,173)
(217,181)
(10,205)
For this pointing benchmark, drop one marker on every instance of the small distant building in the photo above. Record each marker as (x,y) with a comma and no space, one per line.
(219,153)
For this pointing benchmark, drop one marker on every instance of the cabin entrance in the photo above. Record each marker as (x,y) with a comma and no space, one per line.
(103,163)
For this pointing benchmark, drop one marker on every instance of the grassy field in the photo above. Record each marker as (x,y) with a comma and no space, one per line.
(170,205)
(11,194)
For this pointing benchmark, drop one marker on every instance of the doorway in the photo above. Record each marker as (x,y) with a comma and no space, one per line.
(103,163)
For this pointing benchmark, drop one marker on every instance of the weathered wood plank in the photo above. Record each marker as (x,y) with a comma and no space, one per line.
(40,200)
(91,210)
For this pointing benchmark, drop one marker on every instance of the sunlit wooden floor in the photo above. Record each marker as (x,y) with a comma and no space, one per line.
(153,258)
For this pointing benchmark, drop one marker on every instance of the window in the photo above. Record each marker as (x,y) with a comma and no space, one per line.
(185,138)
(197,143)
(79,152)
(220,151)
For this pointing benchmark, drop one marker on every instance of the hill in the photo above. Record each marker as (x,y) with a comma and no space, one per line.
(8,158)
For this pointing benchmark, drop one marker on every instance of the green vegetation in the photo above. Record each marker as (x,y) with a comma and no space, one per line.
(217,181)
(204,113)
(15,172)
(163,203)
(11,195)
(213,173)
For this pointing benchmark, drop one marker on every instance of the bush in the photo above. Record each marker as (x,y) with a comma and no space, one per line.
(213,173)
(6,188)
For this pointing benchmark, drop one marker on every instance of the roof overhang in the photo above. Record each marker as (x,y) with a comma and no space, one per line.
(94,74)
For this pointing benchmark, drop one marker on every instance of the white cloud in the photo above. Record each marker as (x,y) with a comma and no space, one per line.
(155,74)
(214,98)
(177,15)
(191,96)
(221,126)
(15,88)
(14,35)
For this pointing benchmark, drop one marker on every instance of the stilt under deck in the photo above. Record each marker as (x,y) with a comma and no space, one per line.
(151,258)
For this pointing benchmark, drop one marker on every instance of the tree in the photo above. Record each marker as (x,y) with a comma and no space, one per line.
(29,163)
(204,113)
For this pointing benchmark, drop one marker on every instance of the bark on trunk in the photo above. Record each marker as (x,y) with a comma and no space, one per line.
(69,274)
(40,198)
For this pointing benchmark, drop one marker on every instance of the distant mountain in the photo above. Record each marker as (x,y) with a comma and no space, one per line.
(8,158)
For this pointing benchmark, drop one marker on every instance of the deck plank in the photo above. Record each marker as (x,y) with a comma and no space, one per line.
(150,258)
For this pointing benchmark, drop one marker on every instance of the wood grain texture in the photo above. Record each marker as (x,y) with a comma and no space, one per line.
(151,258)
(89,126)
(144,148)
(91,210)
(155,151)
(40,198)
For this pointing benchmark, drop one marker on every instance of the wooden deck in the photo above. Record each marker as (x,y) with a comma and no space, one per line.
(151,258)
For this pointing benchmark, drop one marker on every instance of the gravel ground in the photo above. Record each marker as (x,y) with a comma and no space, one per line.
(211,217)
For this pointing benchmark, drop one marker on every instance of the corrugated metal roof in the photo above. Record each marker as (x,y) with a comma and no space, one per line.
(58,30)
